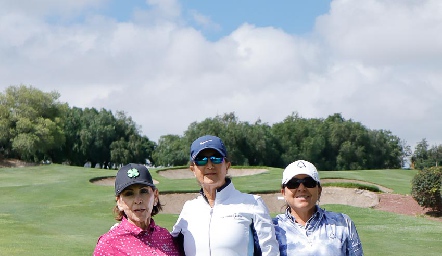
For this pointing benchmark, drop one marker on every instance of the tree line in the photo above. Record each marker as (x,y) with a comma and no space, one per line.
(35,126)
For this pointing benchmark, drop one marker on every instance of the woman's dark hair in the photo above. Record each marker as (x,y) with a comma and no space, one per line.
(120,214)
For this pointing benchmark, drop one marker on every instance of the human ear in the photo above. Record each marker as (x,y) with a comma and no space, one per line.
(119,204)
(228,165)
(192,168)
(156,194)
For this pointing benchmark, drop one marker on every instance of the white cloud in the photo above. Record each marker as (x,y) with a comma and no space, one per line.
(384,32)
(48,7)
(204,21)
(376,62)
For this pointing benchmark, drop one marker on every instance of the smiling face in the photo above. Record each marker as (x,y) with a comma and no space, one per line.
(302,200)
(210,174)
(137,202)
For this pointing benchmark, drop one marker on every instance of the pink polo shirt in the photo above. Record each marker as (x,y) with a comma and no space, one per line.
(128,239)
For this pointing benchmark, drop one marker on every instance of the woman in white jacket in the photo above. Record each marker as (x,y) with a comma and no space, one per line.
(222,221)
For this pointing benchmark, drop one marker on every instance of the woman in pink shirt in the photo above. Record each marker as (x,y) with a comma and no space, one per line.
(137,202)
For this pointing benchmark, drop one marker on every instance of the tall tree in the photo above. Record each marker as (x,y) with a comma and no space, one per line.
(290,132)
(100,137)
(420,156)
(33,122)
(129,145)
(172,150)
(435,154)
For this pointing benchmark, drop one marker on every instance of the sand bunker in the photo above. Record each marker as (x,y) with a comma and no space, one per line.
(108,181)
(173,203)
(179,174)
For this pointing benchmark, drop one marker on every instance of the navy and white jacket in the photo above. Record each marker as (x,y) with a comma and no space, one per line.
(238,224)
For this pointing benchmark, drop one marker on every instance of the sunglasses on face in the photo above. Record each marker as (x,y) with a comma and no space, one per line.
(202,160)
(308,182)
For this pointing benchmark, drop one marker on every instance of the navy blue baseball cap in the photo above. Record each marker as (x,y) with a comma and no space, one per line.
(205,142)
(132,174)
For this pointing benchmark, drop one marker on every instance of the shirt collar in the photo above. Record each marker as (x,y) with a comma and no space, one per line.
(228,181)
(135,229)
(316,217)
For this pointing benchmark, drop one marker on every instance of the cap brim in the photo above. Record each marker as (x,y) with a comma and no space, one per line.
(287,179)
(199,151)
(124,186)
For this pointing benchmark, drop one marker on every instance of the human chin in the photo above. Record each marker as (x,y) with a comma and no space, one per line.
(139,216)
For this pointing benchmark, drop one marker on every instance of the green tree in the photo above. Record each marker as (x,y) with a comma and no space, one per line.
(247,144)
(435,154)
(90,133)
(289,133)
(261,146)
(103,138)
(120,152)
(32,122)
(172,150)
(227,128)
(130,145)
(421,155)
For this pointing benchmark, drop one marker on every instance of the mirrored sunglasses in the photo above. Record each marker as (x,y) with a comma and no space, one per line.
(308,182)
(202,160)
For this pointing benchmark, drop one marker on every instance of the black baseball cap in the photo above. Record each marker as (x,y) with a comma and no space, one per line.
(132,174)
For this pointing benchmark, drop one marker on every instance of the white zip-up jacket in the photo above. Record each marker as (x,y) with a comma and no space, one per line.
(229,228)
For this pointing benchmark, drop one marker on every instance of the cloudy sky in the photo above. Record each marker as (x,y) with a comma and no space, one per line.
(168,63)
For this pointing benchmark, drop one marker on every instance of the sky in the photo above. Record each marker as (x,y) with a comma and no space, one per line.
(168,63)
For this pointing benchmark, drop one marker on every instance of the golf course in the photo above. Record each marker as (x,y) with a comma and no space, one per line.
(59,210)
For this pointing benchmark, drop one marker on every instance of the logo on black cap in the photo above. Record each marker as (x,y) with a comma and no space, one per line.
(132,173)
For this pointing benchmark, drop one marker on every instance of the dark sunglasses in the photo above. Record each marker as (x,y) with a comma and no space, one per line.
(308,182)
(202,160)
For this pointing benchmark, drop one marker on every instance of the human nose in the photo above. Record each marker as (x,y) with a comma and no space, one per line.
(301,186)
(209,164)
(138,199)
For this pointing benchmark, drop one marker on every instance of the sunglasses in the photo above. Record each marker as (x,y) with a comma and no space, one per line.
(202,160)
(308,182)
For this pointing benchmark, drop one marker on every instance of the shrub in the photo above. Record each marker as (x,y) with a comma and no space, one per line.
(426,188)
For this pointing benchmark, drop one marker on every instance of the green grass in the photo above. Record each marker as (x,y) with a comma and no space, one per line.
(54,209)
(384,233)
(397,179)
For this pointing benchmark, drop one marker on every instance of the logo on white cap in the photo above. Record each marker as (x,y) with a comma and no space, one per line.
(301,164)
(300,167)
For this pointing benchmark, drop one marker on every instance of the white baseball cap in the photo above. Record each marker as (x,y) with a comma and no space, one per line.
(299,167)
